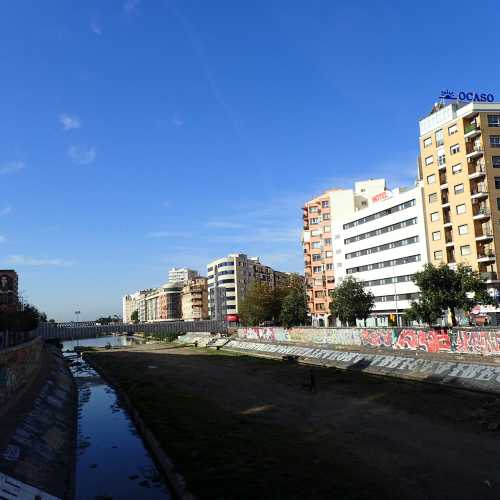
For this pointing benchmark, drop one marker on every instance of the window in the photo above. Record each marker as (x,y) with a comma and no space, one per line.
(313,210)
(316,257)
(438,255)
(497,182)
(329,254)
(329,267)
(439,138)
(326,216)
(455,149)
(378,215)
(328,241)
(429,160)
(459,188)
(453,129)
(456,169)
(316,269)
(315,220)
(434,216)
(431,179)
(327,229)
(316,244)
(496,161)
(427,142)
(441,159)
(463,229)
(316,232)
(495,141)
(433,197)
(461,209)
(381,230)
(436,235)
(493,120)
(498,203)
(325,204)
(465,250)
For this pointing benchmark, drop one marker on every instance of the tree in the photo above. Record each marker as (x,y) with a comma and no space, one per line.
(134,316)
(350,301)
(442,289)
(294,310)
(24,320)
(258,305)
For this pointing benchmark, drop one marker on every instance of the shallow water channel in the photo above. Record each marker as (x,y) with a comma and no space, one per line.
(111,460)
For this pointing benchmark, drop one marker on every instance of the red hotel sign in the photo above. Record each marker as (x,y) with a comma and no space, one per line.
(384,195)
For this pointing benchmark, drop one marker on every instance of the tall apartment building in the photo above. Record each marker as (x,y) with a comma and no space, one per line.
(229,279)
(130,303)
(383,246)
(459,165)
(195,299)
(163,303)
(181,274)
(317,237)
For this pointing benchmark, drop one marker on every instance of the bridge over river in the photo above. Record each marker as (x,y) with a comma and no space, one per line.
(69,331)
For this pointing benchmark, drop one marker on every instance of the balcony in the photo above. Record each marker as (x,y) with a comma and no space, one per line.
(475,151)
(485,257)
(486,234)
(471,130)
(477,172)
(478,191)
(489,276)
(447,222)
(482,213)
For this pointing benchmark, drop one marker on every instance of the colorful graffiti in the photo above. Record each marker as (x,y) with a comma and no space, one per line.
(376,338)
(423,340)
(267,334)
(479,342)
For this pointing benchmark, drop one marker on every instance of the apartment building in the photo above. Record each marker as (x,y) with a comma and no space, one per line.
(9,290)
(181,274)
(459,165)
(229,279)
(130,303)
(383,246)
(317,240)
(195,299)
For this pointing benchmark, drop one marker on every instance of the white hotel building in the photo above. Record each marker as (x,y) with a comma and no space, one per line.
(383,246)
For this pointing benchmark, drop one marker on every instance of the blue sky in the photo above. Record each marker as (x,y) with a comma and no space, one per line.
(138,135)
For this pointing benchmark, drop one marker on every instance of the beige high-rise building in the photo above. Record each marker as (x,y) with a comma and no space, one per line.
(318,240)
(195,299)
(459,165)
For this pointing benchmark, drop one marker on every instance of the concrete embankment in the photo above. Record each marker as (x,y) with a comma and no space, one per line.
(37,442)
(480,374)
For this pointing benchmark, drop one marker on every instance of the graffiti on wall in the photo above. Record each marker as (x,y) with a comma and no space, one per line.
(479,342)
(266,334)
(423,340)
(376,338)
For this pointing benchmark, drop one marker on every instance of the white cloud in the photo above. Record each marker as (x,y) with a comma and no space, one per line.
(69,122)
(130,7)
(96,26)
(82,155)
(23,260)
(11,167)
(223,224)
(5,210)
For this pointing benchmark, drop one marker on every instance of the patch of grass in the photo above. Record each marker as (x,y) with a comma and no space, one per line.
(228,455)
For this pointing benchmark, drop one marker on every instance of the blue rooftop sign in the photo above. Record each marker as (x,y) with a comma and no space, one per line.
(466,96)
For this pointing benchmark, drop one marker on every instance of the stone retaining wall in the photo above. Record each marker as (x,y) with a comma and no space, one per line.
(458,340)
(18,365)
(475,376)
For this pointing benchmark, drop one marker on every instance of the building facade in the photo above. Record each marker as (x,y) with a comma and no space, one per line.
(130,303)
(163,303)
(195,299)
(9,290)
(383,246)
(318,215)
(181,274)
(459,165)
(229,279)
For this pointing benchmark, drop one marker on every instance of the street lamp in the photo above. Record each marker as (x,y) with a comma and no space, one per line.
(77,315)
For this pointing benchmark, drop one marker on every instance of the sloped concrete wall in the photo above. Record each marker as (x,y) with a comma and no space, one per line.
(18,365)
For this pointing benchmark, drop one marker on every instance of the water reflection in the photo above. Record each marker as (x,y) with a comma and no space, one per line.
(111,459)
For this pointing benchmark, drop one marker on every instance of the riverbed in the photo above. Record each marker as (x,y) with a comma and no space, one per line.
(111,460)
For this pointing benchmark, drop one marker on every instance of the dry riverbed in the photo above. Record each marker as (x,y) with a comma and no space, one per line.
(240,427)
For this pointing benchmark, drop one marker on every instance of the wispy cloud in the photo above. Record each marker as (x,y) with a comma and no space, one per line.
(96,25)
(69,122)
(11,167)
(5,210)
(223,224)
(130,7)
(177,122)
(169,234)
(82,155)
(166,204)
(23,260)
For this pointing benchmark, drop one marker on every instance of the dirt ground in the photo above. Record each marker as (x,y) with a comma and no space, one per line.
(353,436)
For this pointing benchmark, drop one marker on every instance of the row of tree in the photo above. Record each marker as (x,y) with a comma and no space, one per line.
(285,306)
(24,320)
(442,289)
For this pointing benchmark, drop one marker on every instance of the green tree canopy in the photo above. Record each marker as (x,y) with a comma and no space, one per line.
(24,320)
(442,289)
(294,310)
(258,305)
(350,301)
(135,316)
